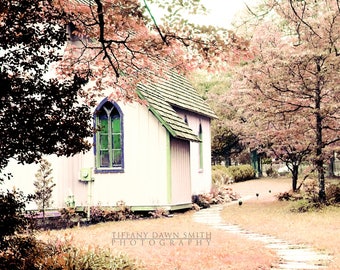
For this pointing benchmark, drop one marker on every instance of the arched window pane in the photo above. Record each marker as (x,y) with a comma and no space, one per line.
(116,125)
(103,125)
(109,137)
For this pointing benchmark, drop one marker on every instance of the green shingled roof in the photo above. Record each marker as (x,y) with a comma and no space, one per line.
(168,94)
(179,92)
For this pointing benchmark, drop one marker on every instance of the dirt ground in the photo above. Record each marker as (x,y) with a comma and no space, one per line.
(266,188)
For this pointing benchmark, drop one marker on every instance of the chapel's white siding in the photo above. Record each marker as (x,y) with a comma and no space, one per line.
(143,181)
(158,171)
(180,172)
(200,178)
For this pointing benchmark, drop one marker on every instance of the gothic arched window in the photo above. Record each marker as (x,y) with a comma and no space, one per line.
(109,137)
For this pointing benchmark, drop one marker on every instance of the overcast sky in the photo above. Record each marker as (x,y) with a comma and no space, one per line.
(222,12)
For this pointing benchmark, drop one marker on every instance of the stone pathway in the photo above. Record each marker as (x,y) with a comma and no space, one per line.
(291,256)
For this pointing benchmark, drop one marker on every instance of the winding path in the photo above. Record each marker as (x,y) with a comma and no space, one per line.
(291,256)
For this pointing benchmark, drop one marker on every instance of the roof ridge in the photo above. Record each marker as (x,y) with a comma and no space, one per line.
(165,113)
(170,93)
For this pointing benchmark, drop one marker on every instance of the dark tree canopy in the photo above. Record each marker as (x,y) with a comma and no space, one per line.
(39,114)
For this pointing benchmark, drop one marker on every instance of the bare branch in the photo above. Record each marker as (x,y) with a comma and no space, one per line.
(301,19)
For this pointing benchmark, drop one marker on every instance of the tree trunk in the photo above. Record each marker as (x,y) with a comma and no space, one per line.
(227,160)
(295,174)
(331,166)
(319,144)
(320,168)
(43,212)
(321,178)
(259,166)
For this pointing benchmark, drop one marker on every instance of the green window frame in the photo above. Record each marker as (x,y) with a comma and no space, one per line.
(108,142)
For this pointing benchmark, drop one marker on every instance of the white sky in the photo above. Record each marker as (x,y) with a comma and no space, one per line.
(222,12)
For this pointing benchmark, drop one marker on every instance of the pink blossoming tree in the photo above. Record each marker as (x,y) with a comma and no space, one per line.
(287,94)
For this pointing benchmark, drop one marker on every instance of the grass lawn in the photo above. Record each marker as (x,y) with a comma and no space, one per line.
(319,229)
(264,214)
(225,251)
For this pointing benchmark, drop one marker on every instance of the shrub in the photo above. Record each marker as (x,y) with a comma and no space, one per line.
(71,257)
(333,193)
(241,172)
(24,252)
(223,175)
(69,218)
(99,259)
(118,213)
(308,198)
(305,200)
(72,216)
(305,205)
(12,218)
(311,189)
(27,253)
(220,175)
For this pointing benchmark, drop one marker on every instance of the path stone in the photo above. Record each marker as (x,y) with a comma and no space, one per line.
(291,256)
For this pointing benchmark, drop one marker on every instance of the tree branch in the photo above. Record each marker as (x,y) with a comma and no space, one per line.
(101,24)
(301,18)
(155,24)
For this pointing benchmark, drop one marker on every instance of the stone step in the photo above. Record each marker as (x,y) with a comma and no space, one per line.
(291,256)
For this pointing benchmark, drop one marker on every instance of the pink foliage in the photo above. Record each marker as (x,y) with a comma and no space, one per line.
(289,89)
(120,45)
